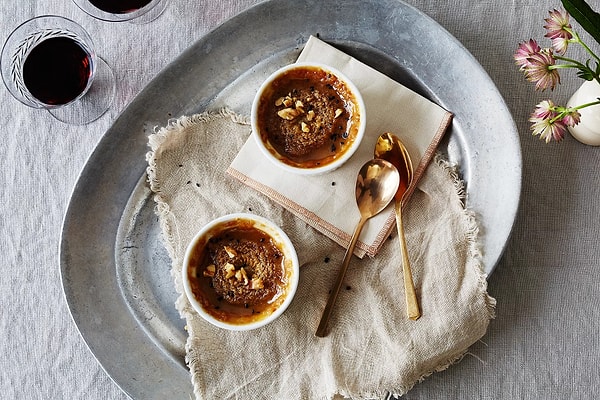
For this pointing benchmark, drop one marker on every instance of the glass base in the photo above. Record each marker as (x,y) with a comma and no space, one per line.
(94,103)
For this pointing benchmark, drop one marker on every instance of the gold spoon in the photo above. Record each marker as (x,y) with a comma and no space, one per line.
(390,148)
(376,185)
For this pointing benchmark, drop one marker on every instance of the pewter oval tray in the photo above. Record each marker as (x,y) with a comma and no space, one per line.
(115,272)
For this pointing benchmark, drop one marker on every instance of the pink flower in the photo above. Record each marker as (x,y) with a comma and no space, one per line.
(560,44)
(559,30)
(524,51)
(572,117)
(539,70)
(548,130)
(545,109)
(536,63)
(545,123)
(541,66)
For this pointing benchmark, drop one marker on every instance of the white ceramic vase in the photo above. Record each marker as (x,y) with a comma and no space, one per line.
(587,131)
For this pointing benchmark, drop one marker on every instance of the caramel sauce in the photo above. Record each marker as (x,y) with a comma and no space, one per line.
(324,94)
(230,300)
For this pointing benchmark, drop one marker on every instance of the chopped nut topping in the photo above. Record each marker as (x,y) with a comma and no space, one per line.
(310,115)
(305,128)
(209,271)
(293,107)
(338,112)
(287,101)
(230,252)
(288,113)
(257,256)
(256,283)
(230,269)
(241,276)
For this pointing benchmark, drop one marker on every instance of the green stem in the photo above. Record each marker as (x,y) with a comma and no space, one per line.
(593,103)
(574,63)
(562,111)
(585,46)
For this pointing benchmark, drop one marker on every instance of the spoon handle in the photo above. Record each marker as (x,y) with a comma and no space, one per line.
(412,304)
(322,329)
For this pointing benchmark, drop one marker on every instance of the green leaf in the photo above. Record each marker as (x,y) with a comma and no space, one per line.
(586,75)
(585,16)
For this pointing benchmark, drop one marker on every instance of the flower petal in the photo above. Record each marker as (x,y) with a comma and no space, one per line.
(538,70)
(545,125)
(571,118)
(557,25)
(524,51)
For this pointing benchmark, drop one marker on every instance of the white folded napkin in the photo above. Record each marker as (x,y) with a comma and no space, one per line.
(326,202)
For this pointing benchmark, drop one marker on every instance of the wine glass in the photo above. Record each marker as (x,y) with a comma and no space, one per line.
(49,62)
(135,11)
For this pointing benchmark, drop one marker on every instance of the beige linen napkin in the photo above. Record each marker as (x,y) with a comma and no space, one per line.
(372,348)
(323,201)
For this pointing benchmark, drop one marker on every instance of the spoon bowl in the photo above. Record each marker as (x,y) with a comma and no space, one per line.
(390,148)
(376,185)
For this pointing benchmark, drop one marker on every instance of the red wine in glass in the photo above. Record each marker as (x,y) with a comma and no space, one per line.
(119,6)
(48,62)
(57,70)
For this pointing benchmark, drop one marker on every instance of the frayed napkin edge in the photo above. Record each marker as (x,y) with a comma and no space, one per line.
(162,209)
(476,261)
(475,244)
(476,257)
(165,218)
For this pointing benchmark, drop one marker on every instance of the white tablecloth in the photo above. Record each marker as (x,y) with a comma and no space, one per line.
(545,341)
